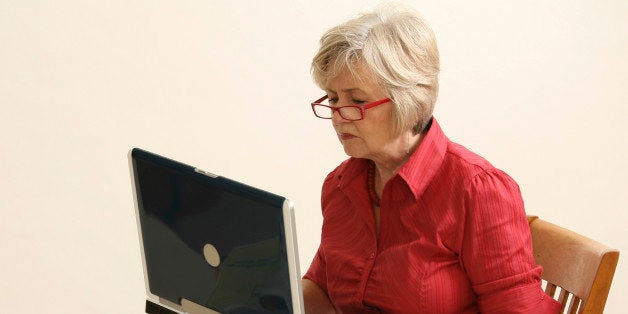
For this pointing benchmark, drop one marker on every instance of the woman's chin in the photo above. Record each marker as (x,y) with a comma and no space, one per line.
(353,152)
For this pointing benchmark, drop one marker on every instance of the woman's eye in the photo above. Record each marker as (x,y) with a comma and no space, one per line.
(332,100)
(358,102)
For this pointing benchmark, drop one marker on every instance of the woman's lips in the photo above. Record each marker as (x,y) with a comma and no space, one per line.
(346,136)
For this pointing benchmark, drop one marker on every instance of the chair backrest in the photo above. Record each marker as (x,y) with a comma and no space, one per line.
(580,268)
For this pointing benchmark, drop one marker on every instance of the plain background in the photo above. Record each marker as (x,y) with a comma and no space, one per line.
(537,87)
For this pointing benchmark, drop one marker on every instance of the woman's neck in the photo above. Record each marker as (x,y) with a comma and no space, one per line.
(387,165)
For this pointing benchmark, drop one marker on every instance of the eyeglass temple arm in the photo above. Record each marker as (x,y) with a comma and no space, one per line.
(319,100)
(379,102)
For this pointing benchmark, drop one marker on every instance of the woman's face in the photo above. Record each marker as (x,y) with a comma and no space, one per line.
(371,137)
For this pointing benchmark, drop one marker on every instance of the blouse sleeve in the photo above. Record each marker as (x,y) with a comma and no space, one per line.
(496,250)
(317,271)
(318,268)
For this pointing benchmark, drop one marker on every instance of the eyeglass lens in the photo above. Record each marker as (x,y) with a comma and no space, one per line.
(347,112)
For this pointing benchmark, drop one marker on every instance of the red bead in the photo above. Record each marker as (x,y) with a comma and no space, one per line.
(370,184)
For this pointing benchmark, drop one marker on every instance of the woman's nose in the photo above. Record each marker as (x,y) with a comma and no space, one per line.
(337,118)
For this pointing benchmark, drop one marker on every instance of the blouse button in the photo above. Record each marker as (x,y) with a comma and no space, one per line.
(372,256)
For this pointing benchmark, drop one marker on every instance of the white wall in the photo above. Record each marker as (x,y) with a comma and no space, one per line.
(537,87)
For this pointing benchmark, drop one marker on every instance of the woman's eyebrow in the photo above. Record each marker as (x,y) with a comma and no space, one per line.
(346,90)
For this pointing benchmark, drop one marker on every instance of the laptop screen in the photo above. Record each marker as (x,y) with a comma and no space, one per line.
(211,240)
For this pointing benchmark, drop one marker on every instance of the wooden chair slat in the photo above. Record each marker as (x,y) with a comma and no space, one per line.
(550,289)
(573,305)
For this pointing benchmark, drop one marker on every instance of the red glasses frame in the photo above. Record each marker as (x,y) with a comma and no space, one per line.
(362,108)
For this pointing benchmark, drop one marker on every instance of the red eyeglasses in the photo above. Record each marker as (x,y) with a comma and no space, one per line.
(351,113)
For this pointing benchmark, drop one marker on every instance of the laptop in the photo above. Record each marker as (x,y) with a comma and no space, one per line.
(213,245)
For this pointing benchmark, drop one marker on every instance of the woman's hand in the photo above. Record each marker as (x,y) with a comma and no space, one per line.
(315,299)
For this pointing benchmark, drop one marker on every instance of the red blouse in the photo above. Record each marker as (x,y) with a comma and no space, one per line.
(453,238)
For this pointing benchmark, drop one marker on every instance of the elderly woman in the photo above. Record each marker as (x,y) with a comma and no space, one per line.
(413,223)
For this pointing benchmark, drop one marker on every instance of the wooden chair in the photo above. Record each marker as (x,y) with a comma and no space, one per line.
(581,268)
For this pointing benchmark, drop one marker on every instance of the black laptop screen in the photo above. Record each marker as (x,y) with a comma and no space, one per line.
(181,211)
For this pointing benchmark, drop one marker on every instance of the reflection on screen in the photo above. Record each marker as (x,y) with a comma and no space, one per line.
(180,214)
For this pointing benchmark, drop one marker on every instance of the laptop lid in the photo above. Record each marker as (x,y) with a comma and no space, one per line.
(211,242)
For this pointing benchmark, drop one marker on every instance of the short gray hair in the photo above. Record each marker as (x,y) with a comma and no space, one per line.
(398,48)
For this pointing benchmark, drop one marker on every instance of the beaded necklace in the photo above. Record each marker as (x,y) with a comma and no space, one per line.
(370,184)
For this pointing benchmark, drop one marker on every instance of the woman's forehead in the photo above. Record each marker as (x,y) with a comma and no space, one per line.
(352,79)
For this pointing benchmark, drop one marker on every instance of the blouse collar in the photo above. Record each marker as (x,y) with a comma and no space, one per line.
(417,172)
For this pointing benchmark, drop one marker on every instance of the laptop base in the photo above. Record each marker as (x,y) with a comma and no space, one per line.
(154,308)
(186,307)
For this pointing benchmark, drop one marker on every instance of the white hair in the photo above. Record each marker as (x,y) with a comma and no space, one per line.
(400,51)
